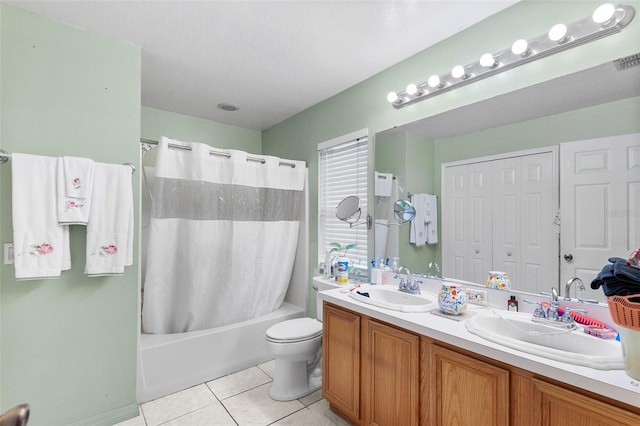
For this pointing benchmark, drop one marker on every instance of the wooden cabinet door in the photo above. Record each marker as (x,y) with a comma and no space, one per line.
(390,375)
(559,406)
(341,360)
(466,391)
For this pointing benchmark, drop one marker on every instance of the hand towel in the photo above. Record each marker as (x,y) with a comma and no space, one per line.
(383,184)
(431,218)
(110,225)
(41,245)
(418,230)
(75,183)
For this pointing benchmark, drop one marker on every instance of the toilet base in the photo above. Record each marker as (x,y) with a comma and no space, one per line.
(292,380)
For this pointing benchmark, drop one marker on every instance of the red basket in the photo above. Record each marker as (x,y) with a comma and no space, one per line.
(625,312)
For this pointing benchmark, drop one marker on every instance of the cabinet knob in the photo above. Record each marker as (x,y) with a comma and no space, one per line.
(477,251)
(509,253)
(568,257)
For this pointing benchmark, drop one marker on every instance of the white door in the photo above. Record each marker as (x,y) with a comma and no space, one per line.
(478,217)
(498,214)
(525,243)
(599,204)
(454,204)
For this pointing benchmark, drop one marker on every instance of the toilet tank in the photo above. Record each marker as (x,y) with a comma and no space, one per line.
(321,284)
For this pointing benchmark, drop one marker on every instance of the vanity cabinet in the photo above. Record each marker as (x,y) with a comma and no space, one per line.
(390,375)
(463,390)
(341,360)
(546,404)
(374,373)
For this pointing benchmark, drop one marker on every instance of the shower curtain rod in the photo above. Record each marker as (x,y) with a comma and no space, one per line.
(213,152)
(5,156)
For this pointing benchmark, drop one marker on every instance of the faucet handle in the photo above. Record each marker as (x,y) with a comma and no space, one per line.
(566,317)
(538,312)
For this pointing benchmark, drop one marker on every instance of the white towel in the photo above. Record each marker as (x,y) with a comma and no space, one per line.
(41,245)
(383,184)
(75,183)
(110,226)
(418,230)
(431,218)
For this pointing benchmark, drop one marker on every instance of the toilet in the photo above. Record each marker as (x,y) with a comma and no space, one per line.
(296,345)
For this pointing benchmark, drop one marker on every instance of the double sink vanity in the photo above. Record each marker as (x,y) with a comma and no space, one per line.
(389,358)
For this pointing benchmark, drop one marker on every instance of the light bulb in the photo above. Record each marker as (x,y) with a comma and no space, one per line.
(603,13)
(458,72)
(392,97)
(520,47)
(434,81)
(412,89)
(558,33)
(488,61)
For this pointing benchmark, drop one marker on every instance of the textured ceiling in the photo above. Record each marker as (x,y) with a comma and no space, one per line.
(272,59)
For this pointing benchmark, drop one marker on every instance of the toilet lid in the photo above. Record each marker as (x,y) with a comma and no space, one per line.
(295,330)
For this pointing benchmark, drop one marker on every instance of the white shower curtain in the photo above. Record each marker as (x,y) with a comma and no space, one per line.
(222,237)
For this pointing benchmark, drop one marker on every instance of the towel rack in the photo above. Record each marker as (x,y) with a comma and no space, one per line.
(5,156)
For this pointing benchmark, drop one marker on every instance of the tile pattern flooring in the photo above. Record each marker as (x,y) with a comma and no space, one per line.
(237,399)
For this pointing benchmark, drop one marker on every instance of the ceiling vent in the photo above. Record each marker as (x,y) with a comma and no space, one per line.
(627,62)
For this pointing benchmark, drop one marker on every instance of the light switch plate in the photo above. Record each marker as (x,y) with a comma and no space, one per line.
(477,297)
(8,253)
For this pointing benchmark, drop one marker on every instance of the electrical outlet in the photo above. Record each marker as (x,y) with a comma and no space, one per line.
(8,253)
(477,297)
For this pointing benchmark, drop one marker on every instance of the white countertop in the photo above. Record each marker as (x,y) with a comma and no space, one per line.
(615,384)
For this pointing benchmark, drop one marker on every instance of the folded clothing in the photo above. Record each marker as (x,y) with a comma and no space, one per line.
(617,278)
(41,245)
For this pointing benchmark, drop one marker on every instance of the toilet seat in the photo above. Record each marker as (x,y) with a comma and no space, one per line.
(295,330)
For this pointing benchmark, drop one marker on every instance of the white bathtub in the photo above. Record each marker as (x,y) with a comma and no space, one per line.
(168,363)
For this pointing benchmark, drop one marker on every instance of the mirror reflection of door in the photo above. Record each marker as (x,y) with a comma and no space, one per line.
(500,214)
(600,205)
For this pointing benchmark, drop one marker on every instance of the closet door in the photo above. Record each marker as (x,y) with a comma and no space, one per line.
(599,204)
(466,205)
(453,206)
(478,217)
(525,240)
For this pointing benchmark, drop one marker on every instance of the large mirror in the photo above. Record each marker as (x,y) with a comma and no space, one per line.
(595,103)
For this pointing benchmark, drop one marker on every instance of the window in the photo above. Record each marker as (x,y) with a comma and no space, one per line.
(342,171)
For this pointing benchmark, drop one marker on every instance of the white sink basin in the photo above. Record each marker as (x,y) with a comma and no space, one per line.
(389,297)
(517,331)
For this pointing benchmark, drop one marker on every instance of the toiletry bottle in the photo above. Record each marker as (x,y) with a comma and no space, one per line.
(512,304)
(343,270)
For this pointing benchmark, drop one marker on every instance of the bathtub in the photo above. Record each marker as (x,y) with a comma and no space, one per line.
(168,363)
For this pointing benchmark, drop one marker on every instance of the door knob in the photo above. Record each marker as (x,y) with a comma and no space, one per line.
(568,257)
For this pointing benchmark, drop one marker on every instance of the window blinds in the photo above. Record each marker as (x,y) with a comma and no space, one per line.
(342,171)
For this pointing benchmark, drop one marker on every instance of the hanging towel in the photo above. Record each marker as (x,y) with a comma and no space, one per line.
(110,226)
(418,231)
(383,184)
(75,183)
(431,218)
(41,245)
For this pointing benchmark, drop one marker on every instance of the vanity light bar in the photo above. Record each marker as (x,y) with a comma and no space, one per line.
(606,20)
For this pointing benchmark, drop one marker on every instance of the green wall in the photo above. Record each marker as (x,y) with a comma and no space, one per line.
(156,123)
(365,105)
(67,346)
(410,159)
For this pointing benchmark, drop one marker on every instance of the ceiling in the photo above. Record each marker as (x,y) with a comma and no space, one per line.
(272,59)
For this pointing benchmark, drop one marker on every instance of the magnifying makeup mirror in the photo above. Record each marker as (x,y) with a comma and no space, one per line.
(348,210)
(403,211)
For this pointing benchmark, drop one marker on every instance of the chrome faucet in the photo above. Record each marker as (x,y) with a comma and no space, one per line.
(552,312)
(407,286)
(551,316)
(567,287)
(433,271)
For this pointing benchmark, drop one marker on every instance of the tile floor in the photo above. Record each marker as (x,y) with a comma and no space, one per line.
(237,399)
